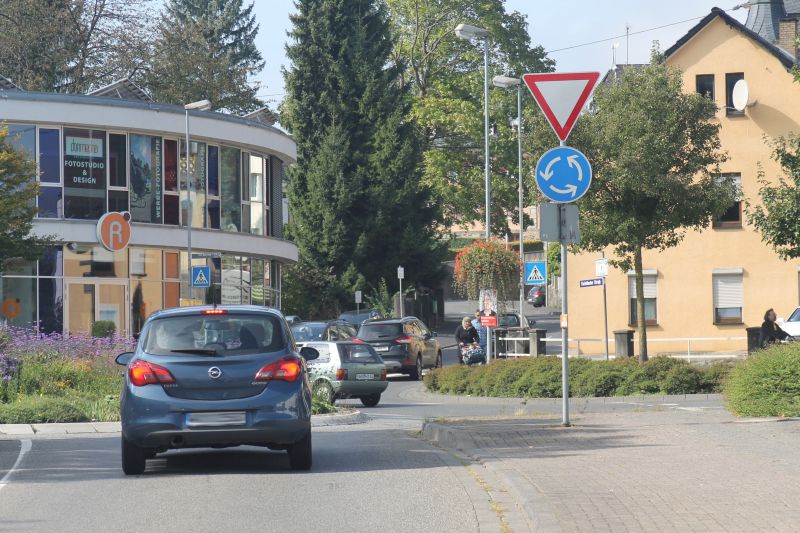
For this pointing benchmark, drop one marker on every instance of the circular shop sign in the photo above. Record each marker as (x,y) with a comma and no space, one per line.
(114,231)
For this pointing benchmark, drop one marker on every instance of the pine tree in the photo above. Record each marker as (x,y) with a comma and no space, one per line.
(206,50)
(357,203)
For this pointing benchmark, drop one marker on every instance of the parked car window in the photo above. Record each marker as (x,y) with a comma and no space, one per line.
(324,352)
(358,353)
(422,329)
(410,329)
(217,334)
(347,332)
(795,316)
(372,332)
(305,331)
(509,321)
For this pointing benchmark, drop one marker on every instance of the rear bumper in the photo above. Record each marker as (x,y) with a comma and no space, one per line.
(355,389)
(281,433)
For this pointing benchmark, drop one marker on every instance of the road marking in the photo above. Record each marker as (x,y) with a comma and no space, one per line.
(24,448)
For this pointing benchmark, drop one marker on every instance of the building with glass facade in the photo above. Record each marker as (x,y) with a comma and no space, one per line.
(116,151)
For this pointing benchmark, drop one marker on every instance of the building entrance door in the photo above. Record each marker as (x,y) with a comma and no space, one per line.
(89,301)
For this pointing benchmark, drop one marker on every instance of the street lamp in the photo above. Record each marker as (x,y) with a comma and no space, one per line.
(506,82)
(469,33)
(200,105)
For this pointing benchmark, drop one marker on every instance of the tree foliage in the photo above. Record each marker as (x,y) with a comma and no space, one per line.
(205,49)
(18,190)
(655,152)
(357,204)
(73,45)
(778,215)
(446,77)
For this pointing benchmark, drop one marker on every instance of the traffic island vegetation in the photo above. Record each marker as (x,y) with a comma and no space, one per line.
(540,377)
(55,378)
(767,383)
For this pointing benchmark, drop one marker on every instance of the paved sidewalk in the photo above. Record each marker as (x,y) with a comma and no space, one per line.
(662,468)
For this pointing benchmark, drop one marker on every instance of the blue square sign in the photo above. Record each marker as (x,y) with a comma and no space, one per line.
(535,272)
(201,276)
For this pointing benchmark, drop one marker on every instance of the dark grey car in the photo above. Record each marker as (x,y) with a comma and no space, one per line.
(406,345)
(215,376)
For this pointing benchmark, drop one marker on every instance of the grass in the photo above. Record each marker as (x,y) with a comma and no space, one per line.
(540,377)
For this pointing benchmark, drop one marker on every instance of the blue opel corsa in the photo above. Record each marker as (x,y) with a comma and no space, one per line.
(215,376)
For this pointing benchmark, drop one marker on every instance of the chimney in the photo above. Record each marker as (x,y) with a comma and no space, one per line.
(787,36)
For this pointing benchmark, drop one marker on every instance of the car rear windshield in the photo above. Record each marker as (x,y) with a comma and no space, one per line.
(358,353)
(374,332)
(308,332)
(214,335)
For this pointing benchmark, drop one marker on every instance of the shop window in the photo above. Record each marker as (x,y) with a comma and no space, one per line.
(172,214)
(84,173)
(257,195)
(231,280)
(213,214)
(705,85)
(50,202)
(51,305)
(230,189)
(170,165)
(18,298)
(730,83)
(172,290)
(650,286)
(146,178)
(49,155)
(732,217)
(213,171)
(23,138)
(19,267)
(117,160)
(145,300)
(197,171)
(51,261)
(257,281)
(117,200)
(145,263)
(94,261)
(728,289)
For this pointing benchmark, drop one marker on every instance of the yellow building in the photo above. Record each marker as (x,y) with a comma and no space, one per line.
(720,280)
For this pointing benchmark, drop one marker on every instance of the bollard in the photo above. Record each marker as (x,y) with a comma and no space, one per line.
(537,344)
(623,343)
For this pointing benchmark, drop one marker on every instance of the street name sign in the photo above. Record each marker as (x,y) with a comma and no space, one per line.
(561,97)
(563,174)
(201,276)
(596,282)
(535,272)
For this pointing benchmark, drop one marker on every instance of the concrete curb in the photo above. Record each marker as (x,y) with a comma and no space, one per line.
(533,503)
(83,429)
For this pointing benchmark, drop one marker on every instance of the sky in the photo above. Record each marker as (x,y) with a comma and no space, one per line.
(553,24)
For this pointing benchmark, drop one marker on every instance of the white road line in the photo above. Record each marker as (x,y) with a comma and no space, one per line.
(25,447)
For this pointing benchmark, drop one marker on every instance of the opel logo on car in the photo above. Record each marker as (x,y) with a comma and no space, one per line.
(214,372)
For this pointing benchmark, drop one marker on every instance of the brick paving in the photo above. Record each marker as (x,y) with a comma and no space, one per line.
(655,469)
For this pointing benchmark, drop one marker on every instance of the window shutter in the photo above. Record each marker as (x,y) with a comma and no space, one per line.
(650,286)
(727,290)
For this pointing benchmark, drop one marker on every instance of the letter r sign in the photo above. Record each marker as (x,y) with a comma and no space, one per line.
(114,231)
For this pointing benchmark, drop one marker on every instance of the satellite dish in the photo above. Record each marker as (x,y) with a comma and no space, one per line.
(741,95)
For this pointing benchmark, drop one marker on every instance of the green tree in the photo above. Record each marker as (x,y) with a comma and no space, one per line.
(446,78)
(776,218)
(655,152)
(357,204)
(206,49)
(18,190)
(73,45)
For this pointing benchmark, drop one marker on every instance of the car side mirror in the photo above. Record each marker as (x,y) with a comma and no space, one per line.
(434,334)
(124,358)
(308,353)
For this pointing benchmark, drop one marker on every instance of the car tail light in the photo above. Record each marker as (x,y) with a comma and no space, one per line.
(214,312)
(538,294)
(286,369)
(383,375)
(145,373)
(404,340)
(356,340)
(341,374)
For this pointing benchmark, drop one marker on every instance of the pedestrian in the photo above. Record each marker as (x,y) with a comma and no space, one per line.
(466,334)
(771,332)
(476,323)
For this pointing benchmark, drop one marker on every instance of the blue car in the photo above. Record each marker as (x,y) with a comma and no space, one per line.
(215,376)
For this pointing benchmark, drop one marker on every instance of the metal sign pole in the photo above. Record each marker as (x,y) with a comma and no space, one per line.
(605,310)
(564,323)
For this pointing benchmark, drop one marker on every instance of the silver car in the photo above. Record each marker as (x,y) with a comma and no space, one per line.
(347,370)
(215,376)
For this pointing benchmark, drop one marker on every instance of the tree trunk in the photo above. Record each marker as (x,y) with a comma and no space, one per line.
(641,321)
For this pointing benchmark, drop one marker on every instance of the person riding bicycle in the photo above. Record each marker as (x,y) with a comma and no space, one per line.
(771,332)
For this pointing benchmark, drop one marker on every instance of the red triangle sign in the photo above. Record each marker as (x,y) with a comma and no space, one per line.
(561,97)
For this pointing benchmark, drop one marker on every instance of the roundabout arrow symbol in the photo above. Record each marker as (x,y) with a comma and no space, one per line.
(572,161)
(570,189)
(548,171)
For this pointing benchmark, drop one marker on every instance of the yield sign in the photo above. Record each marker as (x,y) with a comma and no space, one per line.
(561,97)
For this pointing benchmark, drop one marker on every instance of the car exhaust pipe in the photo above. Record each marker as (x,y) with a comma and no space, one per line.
(176,442)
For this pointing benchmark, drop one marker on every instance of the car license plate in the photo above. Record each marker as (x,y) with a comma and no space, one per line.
(365,376)
(218,418)
(381,348)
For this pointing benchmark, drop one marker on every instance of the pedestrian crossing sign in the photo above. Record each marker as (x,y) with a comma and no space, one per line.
(535,272)
(201,276)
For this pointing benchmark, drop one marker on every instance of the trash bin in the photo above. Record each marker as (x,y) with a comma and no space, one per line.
(753,339)
(537,344)
(623,343)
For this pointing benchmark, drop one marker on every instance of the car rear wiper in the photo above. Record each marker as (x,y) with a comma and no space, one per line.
(197,351)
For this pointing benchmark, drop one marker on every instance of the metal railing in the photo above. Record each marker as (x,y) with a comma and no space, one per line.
(687,340)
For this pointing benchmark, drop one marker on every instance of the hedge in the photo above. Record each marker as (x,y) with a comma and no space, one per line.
(767,383)
(540,377)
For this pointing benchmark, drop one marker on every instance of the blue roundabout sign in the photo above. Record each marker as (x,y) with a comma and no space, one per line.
(563,174)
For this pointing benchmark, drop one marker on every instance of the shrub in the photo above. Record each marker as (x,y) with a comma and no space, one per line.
(104,328)
(34,409)
(601,380)
(715,376)
(682,380)
(321,407)
(766,384)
